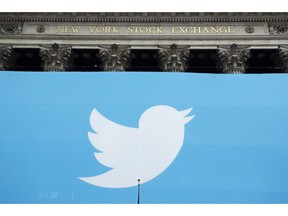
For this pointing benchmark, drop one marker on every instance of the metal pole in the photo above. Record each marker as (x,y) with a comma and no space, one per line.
(138,200)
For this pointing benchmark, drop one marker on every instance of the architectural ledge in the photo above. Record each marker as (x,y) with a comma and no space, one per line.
(144,17)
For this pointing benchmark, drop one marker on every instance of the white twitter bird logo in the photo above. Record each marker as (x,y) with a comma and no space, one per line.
(137,153)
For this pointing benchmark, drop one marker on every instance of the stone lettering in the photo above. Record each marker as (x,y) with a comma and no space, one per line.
(197,30)
(60,29)
(145,30)
(202,30)
(205,30)
(174,30)
(230,29)
(76,29)
(68,29)
(103,29)
(214,30)
(91,28)
(115,30)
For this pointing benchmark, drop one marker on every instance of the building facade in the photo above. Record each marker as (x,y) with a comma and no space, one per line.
(180,42)
(97,108)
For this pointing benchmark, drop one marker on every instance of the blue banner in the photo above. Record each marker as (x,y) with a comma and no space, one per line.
(144,137)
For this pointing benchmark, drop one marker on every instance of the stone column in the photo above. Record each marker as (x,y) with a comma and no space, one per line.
(55,58)
(115,58)
(233,59)
(283,54)
(6,57)
(174,58)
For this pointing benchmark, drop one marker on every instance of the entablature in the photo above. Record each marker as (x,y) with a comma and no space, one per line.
(144,30)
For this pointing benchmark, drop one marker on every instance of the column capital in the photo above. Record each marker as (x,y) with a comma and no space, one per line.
(6,57)
(174,58)
(233,59)
(283,54)
(55,58)
(115,58)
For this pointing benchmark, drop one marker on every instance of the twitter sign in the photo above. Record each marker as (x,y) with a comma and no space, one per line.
(142,137)
(125,149)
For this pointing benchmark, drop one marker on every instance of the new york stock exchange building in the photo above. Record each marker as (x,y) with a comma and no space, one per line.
(175,42)
(144,107)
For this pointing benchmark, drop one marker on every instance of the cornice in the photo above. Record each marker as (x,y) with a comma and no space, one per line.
(150,17)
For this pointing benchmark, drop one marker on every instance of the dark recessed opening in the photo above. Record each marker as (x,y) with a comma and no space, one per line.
(143,60)
(85,60)
(27,60)
(264,61)
(203,61)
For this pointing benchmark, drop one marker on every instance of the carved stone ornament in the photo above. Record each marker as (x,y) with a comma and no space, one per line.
(174,59)
(283,54)
(249,29)
(41,29)
(115,58)
(278,28)
(6,55)
(11,28)
(233,59)
(55,58)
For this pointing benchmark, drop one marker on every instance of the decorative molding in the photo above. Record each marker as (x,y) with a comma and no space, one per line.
(145,30)
(144,17)
(278,28)
(55,58)
(6,57)
(233,59)
(11,28)
(283,54)
(41,29)
(174,58)
(249,29)
(115,58)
